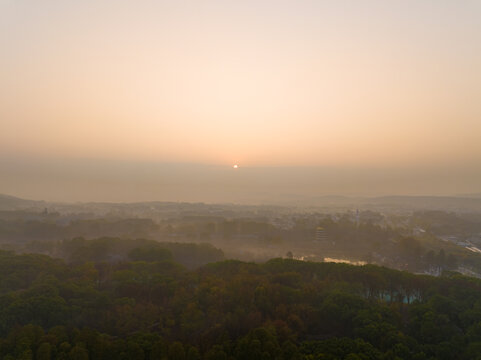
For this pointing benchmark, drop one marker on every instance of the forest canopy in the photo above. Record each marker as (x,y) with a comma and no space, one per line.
(150,307)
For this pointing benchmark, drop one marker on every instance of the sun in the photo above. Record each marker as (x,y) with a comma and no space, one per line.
(235,166)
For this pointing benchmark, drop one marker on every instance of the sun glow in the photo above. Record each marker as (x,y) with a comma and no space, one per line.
(235,166)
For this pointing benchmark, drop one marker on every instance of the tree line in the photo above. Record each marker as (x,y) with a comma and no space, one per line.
(148,306)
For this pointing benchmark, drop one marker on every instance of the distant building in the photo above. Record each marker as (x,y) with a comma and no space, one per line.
(321,235)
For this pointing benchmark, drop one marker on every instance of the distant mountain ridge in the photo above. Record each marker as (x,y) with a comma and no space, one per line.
(404,202)
(473,195)
(8,202)
(448,203)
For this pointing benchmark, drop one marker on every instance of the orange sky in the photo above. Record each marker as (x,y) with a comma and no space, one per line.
(259,83)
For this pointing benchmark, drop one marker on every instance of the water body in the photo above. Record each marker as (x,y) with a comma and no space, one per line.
(344,261)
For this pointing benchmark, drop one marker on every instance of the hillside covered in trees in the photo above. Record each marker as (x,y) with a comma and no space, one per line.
(148,306)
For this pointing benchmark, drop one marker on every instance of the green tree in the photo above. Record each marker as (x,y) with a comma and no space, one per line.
(176,351)
(44,352)
(78,352)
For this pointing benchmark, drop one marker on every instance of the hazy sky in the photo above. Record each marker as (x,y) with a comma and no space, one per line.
(328,84)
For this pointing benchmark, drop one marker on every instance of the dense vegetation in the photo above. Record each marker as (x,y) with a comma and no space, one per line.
(365,236)
(106,249)
(149,307)
(24,226)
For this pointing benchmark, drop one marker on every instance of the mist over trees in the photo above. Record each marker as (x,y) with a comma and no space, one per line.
(223,281)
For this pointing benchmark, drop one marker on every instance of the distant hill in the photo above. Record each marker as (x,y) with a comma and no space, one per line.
(8,202)
(381,203)
(399,202)
(448,203)
(474,195)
